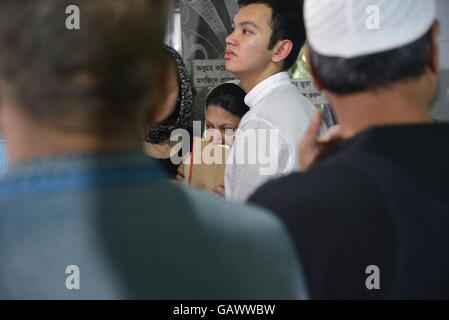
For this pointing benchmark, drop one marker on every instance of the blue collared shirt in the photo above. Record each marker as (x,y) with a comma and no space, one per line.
(132,234)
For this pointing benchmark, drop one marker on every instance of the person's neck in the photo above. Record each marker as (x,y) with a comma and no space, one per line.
(27,141)
(400,105)
(59,146)
(250,80)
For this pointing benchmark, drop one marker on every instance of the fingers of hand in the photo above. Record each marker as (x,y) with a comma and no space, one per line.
(220,189)
(333,134)
(308,147)
(180,176)
(313,131)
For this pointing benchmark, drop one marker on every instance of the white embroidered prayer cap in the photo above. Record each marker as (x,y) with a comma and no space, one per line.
(351,28)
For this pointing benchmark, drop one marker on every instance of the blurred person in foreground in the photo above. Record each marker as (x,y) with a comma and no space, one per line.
(369,212)
(83,212)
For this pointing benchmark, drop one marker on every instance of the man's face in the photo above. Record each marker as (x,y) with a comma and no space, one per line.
(247,46)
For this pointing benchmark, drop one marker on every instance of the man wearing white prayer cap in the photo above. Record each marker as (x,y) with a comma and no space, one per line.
(370,212)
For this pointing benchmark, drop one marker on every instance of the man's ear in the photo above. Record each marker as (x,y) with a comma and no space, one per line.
(315,77)
(434,54)
(282,51)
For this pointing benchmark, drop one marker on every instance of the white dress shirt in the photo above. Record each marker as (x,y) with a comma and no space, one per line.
(277,105)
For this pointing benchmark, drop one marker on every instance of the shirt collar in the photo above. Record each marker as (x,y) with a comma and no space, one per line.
(394,138)
(265,87)
(80,170)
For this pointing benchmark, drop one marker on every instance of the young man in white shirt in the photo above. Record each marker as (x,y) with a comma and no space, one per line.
(266,41)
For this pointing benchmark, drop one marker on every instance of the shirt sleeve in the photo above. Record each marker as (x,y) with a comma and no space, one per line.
(259,154)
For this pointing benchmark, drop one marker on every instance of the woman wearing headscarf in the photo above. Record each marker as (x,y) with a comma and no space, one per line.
(174,112)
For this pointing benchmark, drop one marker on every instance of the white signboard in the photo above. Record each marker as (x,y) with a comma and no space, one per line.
(209,73)
(308,89)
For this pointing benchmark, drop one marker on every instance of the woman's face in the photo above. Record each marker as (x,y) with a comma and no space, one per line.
(220,125)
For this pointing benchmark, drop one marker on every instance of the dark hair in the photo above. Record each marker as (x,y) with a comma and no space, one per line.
(287,23)
(100,74)
(371,72)
(182,116)
(230,97)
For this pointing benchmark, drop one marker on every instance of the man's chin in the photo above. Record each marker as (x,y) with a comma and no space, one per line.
(229,67)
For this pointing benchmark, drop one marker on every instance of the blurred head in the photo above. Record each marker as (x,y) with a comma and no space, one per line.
(225,107)
(171,107)
(402,48)
(265,32)
(96,80)
(169,84)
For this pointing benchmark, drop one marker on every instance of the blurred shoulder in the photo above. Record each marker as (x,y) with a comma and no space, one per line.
(225,214)
(333,187)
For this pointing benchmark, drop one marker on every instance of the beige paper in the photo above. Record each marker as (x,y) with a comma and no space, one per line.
(208,165)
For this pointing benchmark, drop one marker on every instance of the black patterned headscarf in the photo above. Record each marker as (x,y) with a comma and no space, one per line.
(181,117)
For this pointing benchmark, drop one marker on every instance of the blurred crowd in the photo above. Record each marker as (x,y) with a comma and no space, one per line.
(94,173)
